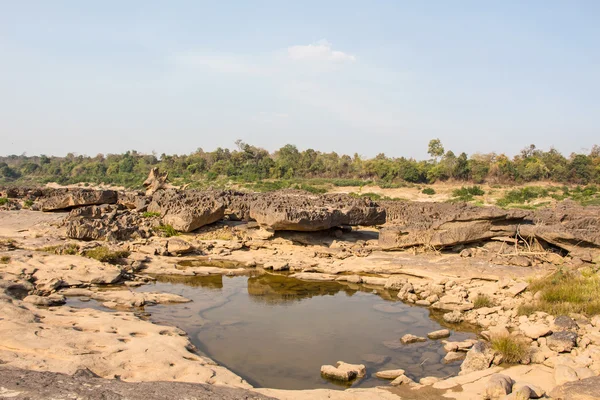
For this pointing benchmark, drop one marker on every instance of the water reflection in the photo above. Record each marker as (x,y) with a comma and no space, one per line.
(275,289)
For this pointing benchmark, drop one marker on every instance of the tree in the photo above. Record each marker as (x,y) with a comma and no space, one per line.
(435,149)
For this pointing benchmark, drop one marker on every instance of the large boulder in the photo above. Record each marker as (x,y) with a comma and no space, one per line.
(444,224)
(480,357)
(585,389)
(293,210)
(188,210)
(106,222)
(66,199)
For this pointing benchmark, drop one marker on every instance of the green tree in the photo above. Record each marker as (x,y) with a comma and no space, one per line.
(435,149)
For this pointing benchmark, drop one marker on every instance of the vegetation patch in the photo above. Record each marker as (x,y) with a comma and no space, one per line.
(483,300)
(166,230)
(466,193)
(149,214)
(3,201)
(428,191)
(27,203)
(4,260)
(523,195)
(566,292)
(512,348)
(104,254)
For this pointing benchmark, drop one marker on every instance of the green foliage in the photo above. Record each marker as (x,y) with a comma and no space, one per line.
(27,203)
(69,249)
(513,349)
(149,214)
(467,193)
(3,201)
(104,254)
(4,260)
(428,191)
(523,195)
(250,164)
(565,292)
(166,230)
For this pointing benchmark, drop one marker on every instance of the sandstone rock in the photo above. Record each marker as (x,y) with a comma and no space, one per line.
(408,339)
(402,380)
(498,386)
(454,317)
(479,357)
(535,392)
(564,323)
(343,371)
(443,333)
(562,342)
(564,374)
(156,181)
(52,300)
(179,246)
(583,373)
(375,359)
(454,356)
(428,380)
(395,282)
(299,211)
(586,389)
(535,331)
(64,199)
(390,374)
(517,288)
(189,210)
(523,393)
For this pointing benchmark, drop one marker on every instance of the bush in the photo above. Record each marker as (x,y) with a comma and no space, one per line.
(563,293)
(513,349)
(149,214)
(523,195)
(3,201)
(4,260)
(428,191)
(166,230)
(483,300)
(467,193)
(104,254)
(27,203)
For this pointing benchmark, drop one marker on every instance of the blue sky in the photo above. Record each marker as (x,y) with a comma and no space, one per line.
(345,76)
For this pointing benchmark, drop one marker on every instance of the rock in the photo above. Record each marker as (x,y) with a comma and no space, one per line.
(408,339)
(523,393)
(179,246)
(291,210)
(64,199)
(479,357)
(375,359)
(52,300)
(343,371)
(395,282)
(402,380)
(517,288)
(564,374)
(562,342)
(454,317)
(535,331)
(189,210)
(564,323)
(454,356)
(390,373)
(156,181)
(443,333)
(498,386)
(535,392)
(583,373)
(428,380)
(586,389)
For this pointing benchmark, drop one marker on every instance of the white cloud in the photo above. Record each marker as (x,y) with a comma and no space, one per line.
(320,51)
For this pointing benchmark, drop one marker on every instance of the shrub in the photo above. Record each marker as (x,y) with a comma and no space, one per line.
(483,300)
(428,191)
(3,201)
(27,203)
(523,195)
(4,260)
(513,349)
(467,193)
(104,254)
(149,214)
(166,230)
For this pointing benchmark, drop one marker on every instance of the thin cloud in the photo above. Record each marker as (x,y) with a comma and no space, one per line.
(320,51)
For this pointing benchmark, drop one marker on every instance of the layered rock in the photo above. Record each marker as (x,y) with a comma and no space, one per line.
(444,224)
(107,222)
(188,210)
(298,211)
(65,199)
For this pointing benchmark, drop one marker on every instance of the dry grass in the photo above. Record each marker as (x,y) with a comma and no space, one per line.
(4,260)
(566,292)
(104,254)
(513,349)
(483,300)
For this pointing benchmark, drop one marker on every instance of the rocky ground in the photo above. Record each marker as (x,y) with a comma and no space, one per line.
(440,255)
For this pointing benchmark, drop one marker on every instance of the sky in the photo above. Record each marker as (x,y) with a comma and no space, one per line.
(347,76)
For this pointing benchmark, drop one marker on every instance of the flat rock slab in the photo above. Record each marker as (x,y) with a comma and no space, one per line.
(585,389)
(36,385)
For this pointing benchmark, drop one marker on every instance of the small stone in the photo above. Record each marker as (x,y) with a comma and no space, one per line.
(517,288)
(331,372)
(408,339)
(535,331)
(564,323)
(442,333)
(498,386)
(454,356)
(429,380)
(480,357)
(375,359)
(564,374)
(523,393)
(402,380)
(395,283)
(535,392)
(390,373)
(454,317)
(562,342)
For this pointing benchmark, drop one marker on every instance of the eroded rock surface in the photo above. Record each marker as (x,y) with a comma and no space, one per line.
(188,210)
(64,199)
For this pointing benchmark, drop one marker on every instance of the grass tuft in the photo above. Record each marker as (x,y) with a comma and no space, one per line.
(104,254)
(483,300)
(149,214)
(4,260)
(563,293)
(428,191)
(166,230)
(513,349)
(3,201)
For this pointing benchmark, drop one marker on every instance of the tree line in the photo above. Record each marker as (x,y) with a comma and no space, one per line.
(247,163)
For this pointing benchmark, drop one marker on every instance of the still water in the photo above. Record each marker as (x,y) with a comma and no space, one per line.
(276,331)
